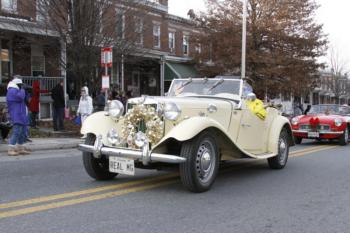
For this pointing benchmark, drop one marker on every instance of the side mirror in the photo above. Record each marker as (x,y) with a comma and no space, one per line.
(166,93)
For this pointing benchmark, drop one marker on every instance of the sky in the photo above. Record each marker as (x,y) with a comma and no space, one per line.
(333,14)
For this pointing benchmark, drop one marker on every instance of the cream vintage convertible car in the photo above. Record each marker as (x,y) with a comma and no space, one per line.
(198,124)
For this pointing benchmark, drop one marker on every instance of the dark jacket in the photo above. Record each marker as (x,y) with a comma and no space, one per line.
(57,94)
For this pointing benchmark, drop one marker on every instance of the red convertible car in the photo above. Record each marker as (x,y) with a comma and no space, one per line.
(325,121)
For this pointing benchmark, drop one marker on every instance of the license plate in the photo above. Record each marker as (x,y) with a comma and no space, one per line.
(122,166)
(313,134)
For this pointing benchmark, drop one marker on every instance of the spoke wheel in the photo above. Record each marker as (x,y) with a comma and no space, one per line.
(280,160)
(198,173)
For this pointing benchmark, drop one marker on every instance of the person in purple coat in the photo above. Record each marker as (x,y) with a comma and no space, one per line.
(15,99)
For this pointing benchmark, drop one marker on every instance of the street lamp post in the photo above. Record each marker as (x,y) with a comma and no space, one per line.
(244,38)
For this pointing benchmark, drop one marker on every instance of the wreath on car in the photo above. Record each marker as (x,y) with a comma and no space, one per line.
(142,118)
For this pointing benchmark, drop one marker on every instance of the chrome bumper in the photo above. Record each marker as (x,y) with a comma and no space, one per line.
(321,132)
(143,155)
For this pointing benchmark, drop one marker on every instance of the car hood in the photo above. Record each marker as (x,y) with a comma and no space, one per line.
(321,118)
(194,106)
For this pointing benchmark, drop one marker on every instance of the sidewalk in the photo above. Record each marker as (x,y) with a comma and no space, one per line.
(48,144)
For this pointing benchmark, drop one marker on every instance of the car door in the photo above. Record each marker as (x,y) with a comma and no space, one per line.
(253,132)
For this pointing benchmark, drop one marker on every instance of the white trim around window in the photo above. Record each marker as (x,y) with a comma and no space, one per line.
(156,36)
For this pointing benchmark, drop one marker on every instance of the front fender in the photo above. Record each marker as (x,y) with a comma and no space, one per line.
(191,127)
(278,124)
(99,124)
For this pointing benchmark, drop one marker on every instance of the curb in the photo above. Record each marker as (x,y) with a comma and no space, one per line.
(51,144)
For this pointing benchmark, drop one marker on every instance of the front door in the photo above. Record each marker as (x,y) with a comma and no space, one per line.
(253,132)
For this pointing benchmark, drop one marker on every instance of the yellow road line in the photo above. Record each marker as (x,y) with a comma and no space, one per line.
(83,192)
(313,151)
(55,205)
(164,180)
(309,149)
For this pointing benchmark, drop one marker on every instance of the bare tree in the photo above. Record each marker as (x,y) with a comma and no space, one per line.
(339,73)
(85,26)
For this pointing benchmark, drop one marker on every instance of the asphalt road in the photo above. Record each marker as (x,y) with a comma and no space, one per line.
(50,192)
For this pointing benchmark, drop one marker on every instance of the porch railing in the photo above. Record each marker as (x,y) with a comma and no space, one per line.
(46,83)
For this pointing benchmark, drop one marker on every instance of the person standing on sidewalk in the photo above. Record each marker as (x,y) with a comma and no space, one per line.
(34,103)
(15,99)
(100,101)
(57,94)
(85,105)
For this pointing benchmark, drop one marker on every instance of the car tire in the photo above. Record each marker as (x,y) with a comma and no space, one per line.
(280,161)
(96,168)
(199,171)
(298,140)
(344,139)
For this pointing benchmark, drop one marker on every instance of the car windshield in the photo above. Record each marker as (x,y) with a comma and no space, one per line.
(330,109)
(209,87)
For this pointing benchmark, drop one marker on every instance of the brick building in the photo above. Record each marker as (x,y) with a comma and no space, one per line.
(164,50)
(27,49)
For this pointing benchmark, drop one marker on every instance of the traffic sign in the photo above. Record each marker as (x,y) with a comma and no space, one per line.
(107,57)
(105,82)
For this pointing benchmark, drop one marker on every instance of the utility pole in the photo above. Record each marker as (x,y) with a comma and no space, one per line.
(244,38)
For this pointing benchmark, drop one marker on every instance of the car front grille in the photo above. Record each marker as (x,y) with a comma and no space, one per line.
(141,126)
(319,127)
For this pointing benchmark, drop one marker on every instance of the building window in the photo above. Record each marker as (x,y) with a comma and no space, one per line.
(38,65)
(172,42)
(186,45)
(120,25)
(42,12)
(139,30)
(9,5)
(156,36)
(38,60)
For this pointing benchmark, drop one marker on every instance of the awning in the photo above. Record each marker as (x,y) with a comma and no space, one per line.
(178,70)
(25,27)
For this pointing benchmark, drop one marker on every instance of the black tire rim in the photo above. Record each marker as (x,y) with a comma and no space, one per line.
(205,161)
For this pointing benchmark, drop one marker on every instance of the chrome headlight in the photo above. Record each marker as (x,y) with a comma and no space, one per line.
(295,121)
(338,122)
(140,139)
(113,137)
(172,111)
(115,108)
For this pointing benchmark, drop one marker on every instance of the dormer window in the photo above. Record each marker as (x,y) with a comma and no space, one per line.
(9,5)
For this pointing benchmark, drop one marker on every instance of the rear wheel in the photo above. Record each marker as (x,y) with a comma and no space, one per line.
(280,161)
(345,137)
(96,168)
(199,171)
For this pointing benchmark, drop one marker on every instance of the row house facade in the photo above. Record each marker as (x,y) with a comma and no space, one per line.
(164,50)
(331,89)
(26,48)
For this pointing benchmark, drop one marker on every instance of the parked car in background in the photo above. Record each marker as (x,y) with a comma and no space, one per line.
(325,121)
(199,123)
